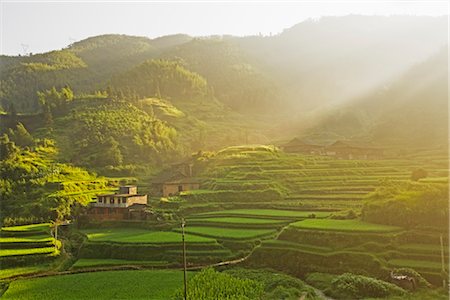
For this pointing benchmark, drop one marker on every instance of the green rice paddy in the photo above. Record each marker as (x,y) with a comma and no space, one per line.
(236,220)
(9,272)
(133,235)
(155,285)
(27,228)
(27,239)
(343,225)
(269,213)
(95,262)
(26,251)
(228,233)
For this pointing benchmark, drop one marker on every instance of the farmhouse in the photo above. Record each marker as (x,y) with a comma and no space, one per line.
(350,150)
(298,146)
(126,204)
(173,185)
(178,179)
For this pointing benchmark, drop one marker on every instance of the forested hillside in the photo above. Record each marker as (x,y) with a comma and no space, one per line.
(259,88)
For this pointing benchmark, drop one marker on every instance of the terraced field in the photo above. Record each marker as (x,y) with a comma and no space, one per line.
(284,210)
(25,246)
(316,192)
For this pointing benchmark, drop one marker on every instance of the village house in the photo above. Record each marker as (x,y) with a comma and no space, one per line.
(298,146)
(126,204)
(338,149)
(178,179)
(350,150)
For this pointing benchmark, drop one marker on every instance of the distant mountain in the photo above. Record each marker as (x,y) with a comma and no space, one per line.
(411,110)
(335,59)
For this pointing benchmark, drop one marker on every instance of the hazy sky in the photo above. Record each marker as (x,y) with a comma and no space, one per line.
(41,26)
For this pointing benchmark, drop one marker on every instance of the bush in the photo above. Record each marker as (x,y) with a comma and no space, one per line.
(418,174)
(276,285)
(351,286)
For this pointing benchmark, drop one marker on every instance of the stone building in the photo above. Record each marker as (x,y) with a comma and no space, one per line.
(126,204)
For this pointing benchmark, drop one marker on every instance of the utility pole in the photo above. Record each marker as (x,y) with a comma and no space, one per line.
(55,233)
(183,224)
(442,261)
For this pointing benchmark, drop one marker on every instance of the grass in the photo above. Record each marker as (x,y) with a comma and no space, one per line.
(237,220)
(95,262)
(132,235)
(27,228)
(343,225)
(228,233)
(26,251)
(155,285)
(269,213)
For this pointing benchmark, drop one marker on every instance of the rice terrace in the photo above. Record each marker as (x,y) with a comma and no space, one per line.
(306,164)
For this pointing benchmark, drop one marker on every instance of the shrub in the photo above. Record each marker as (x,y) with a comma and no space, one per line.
(417,174)
(351,286)
(211,285)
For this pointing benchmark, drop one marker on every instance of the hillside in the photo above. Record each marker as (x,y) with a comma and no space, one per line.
(93,62)
(410,110)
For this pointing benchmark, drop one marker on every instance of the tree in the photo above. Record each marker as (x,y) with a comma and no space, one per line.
(7,148)
(20,136)
(48,117)
(112,154)
(67,93)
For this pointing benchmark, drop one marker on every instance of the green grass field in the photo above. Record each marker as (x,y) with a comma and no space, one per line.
(26,251)
(236,220)
(228,233)
(343,225)
(155,285)
(95,262)
(269,213)
(132,235)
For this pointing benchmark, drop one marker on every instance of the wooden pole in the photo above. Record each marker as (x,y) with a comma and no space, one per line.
(184,259)
(442,261)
